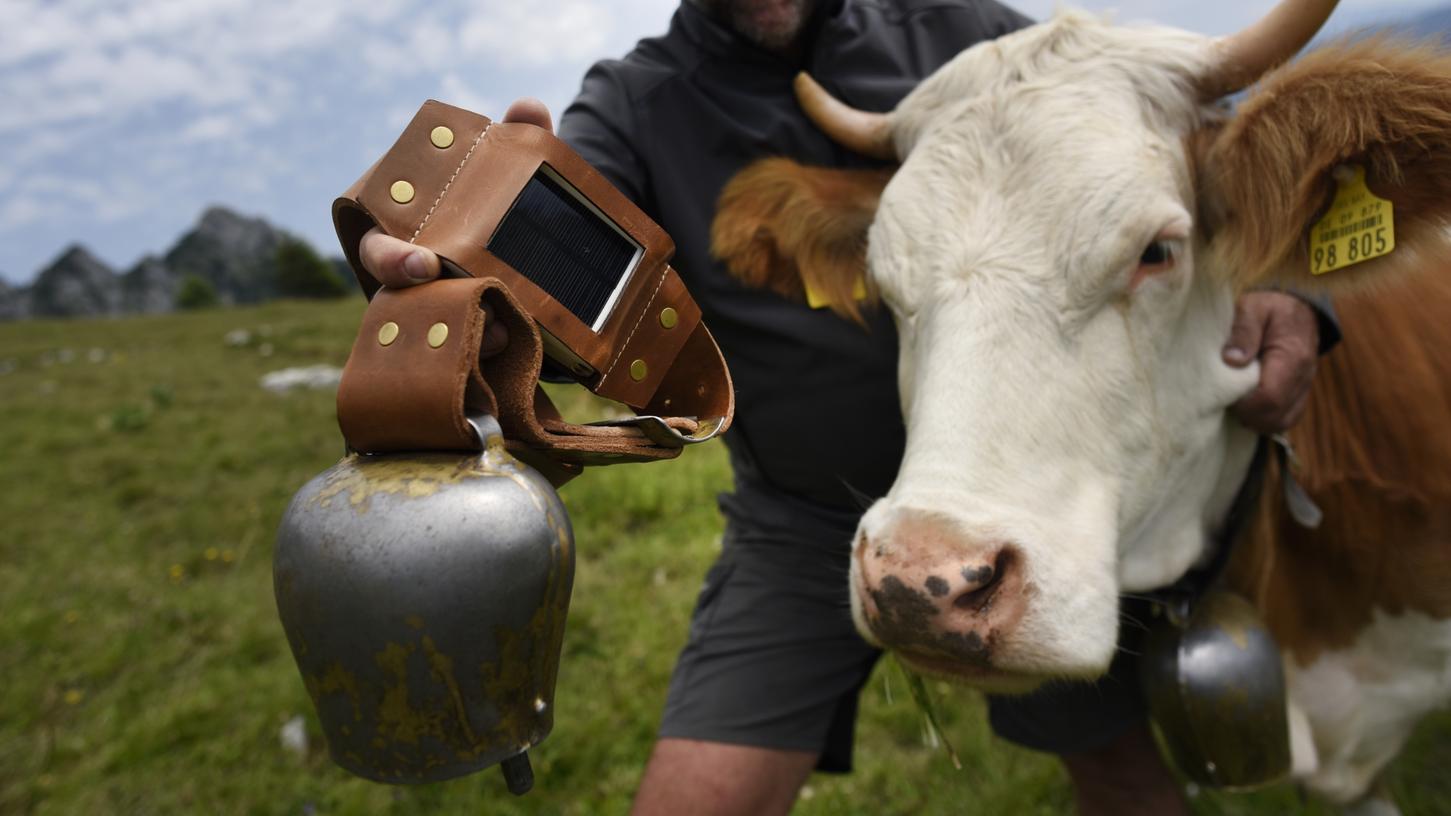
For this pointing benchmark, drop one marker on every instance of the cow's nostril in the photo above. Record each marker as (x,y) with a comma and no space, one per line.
(983,582)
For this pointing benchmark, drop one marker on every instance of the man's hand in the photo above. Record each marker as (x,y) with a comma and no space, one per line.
(1283,333)
(397,263)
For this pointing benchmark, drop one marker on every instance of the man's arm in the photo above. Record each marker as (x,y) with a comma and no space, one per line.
(600,125)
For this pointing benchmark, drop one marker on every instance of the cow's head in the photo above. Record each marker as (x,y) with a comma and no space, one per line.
(1074,213)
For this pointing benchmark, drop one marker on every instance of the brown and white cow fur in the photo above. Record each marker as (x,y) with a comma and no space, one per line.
(1064,397)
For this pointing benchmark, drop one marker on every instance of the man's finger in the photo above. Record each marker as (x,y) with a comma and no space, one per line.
(1245,337)
(530,111)
(395,262)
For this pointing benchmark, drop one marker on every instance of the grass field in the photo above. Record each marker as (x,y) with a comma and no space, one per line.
(142,475)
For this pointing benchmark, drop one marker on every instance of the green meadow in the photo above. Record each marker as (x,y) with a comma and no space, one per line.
(143,670)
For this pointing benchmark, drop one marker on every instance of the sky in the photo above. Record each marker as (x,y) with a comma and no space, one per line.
(121,120)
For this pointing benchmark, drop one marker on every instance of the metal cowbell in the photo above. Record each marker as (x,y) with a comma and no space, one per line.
(424,597)
(1216,691)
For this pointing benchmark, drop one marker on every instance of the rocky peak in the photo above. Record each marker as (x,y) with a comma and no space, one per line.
(149,287)
(14,302)
(76,284)
(232,252)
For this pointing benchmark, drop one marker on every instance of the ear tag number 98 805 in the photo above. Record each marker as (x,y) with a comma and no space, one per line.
(1358,227)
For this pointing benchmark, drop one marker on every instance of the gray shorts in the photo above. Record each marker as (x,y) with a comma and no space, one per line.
(774,661)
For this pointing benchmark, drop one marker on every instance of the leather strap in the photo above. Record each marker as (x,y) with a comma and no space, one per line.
(410,385)
(416,372)
(653,353)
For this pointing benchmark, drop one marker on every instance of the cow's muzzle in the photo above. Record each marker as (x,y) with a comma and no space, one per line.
(944,601)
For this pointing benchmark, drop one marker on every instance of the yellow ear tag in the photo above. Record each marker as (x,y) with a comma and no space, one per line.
(1358,227)
(816,300)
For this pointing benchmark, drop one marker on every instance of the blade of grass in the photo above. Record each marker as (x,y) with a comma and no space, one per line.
(920,696)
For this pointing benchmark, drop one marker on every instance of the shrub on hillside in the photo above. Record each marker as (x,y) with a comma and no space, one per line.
(196,292)
(302,273)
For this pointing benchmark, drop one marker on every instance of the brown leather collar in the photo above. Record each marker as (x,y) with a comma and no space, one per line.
(461,175)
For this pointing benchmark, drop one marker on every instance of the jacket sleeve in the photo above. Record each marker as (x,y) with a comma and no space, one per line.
(600,125)
(1324,315)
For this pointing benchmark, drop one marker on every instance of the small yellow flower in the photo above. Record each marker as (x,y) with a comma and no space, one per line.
(212,553)
(228,556)
(177,573)
(74,696)
(72,616)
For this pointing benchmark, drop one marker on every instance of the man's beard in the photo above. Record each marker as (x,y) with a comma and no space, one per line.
(771,24)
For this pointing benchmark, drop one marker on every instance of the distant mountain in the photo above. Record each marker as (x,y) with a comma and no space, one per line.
(77,284)
(14,303)
(233,253)
(149,287)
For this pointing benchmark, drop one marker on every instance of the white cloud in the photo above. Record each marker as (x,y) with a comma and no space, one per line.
(570,30)
(209,128)
(455,90)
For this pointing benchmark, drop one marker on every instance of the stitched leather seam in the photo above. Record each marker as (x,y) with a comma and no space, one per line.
(643,312)
(456,171)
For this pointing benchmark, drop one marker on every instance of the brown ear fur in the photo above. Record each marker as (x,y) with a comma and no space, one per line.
(1267,174)
(782,226)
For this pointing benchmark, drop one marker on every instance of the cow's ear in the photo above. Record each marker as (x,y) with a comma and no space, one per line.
(1271,175)
(788,228)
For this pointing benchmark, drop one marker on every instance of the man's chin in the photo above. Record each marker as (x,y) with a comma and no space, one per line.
(770,24)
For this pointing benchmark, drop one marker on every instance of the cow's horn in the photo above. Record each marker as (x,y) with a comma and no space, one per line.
(1276,37)
(867,133)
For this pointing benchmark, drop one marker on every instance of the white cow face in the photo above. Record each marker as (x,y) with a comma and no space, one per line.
(1060,247)
(1059,372)
(1060,368)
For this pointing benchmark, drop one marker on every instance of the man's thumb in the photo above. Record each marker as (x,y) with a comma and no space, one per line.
(1245,338)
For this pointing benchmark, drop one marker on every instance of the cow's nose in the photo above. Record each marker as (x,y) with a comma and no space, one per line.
(973,586)
(926,587)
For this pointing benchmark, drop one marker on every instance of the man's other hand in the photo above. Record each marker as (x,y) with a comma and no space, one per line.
(395,263)
(1283,333)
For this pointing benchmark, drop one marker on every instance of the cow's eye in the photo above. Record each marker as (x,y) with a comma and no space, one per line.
(1159,253)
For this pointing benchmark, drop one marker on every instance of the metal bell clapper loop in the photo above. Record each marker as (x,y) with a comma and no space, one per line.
(424,597)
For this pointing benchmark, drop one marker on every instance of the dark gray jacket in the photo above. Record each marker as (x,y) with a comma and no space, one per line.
(817,423)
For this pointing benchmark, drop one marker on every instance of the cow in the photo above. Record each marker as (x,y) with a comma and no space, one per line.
(1074,211)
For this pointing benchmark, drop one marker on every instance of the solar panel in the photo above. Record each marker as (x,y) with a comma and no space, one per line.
(566,247)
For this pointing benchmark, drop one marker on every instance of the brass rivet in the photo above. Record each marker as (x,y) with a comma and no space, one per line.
(441,137)
(437,334)
(401,191)
(387,333)
(638,370)
(668,317)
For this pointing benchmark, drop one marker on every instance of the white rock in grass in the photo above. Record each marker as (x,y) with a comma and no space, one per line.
(237,337)
(294,736)
(315,376)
